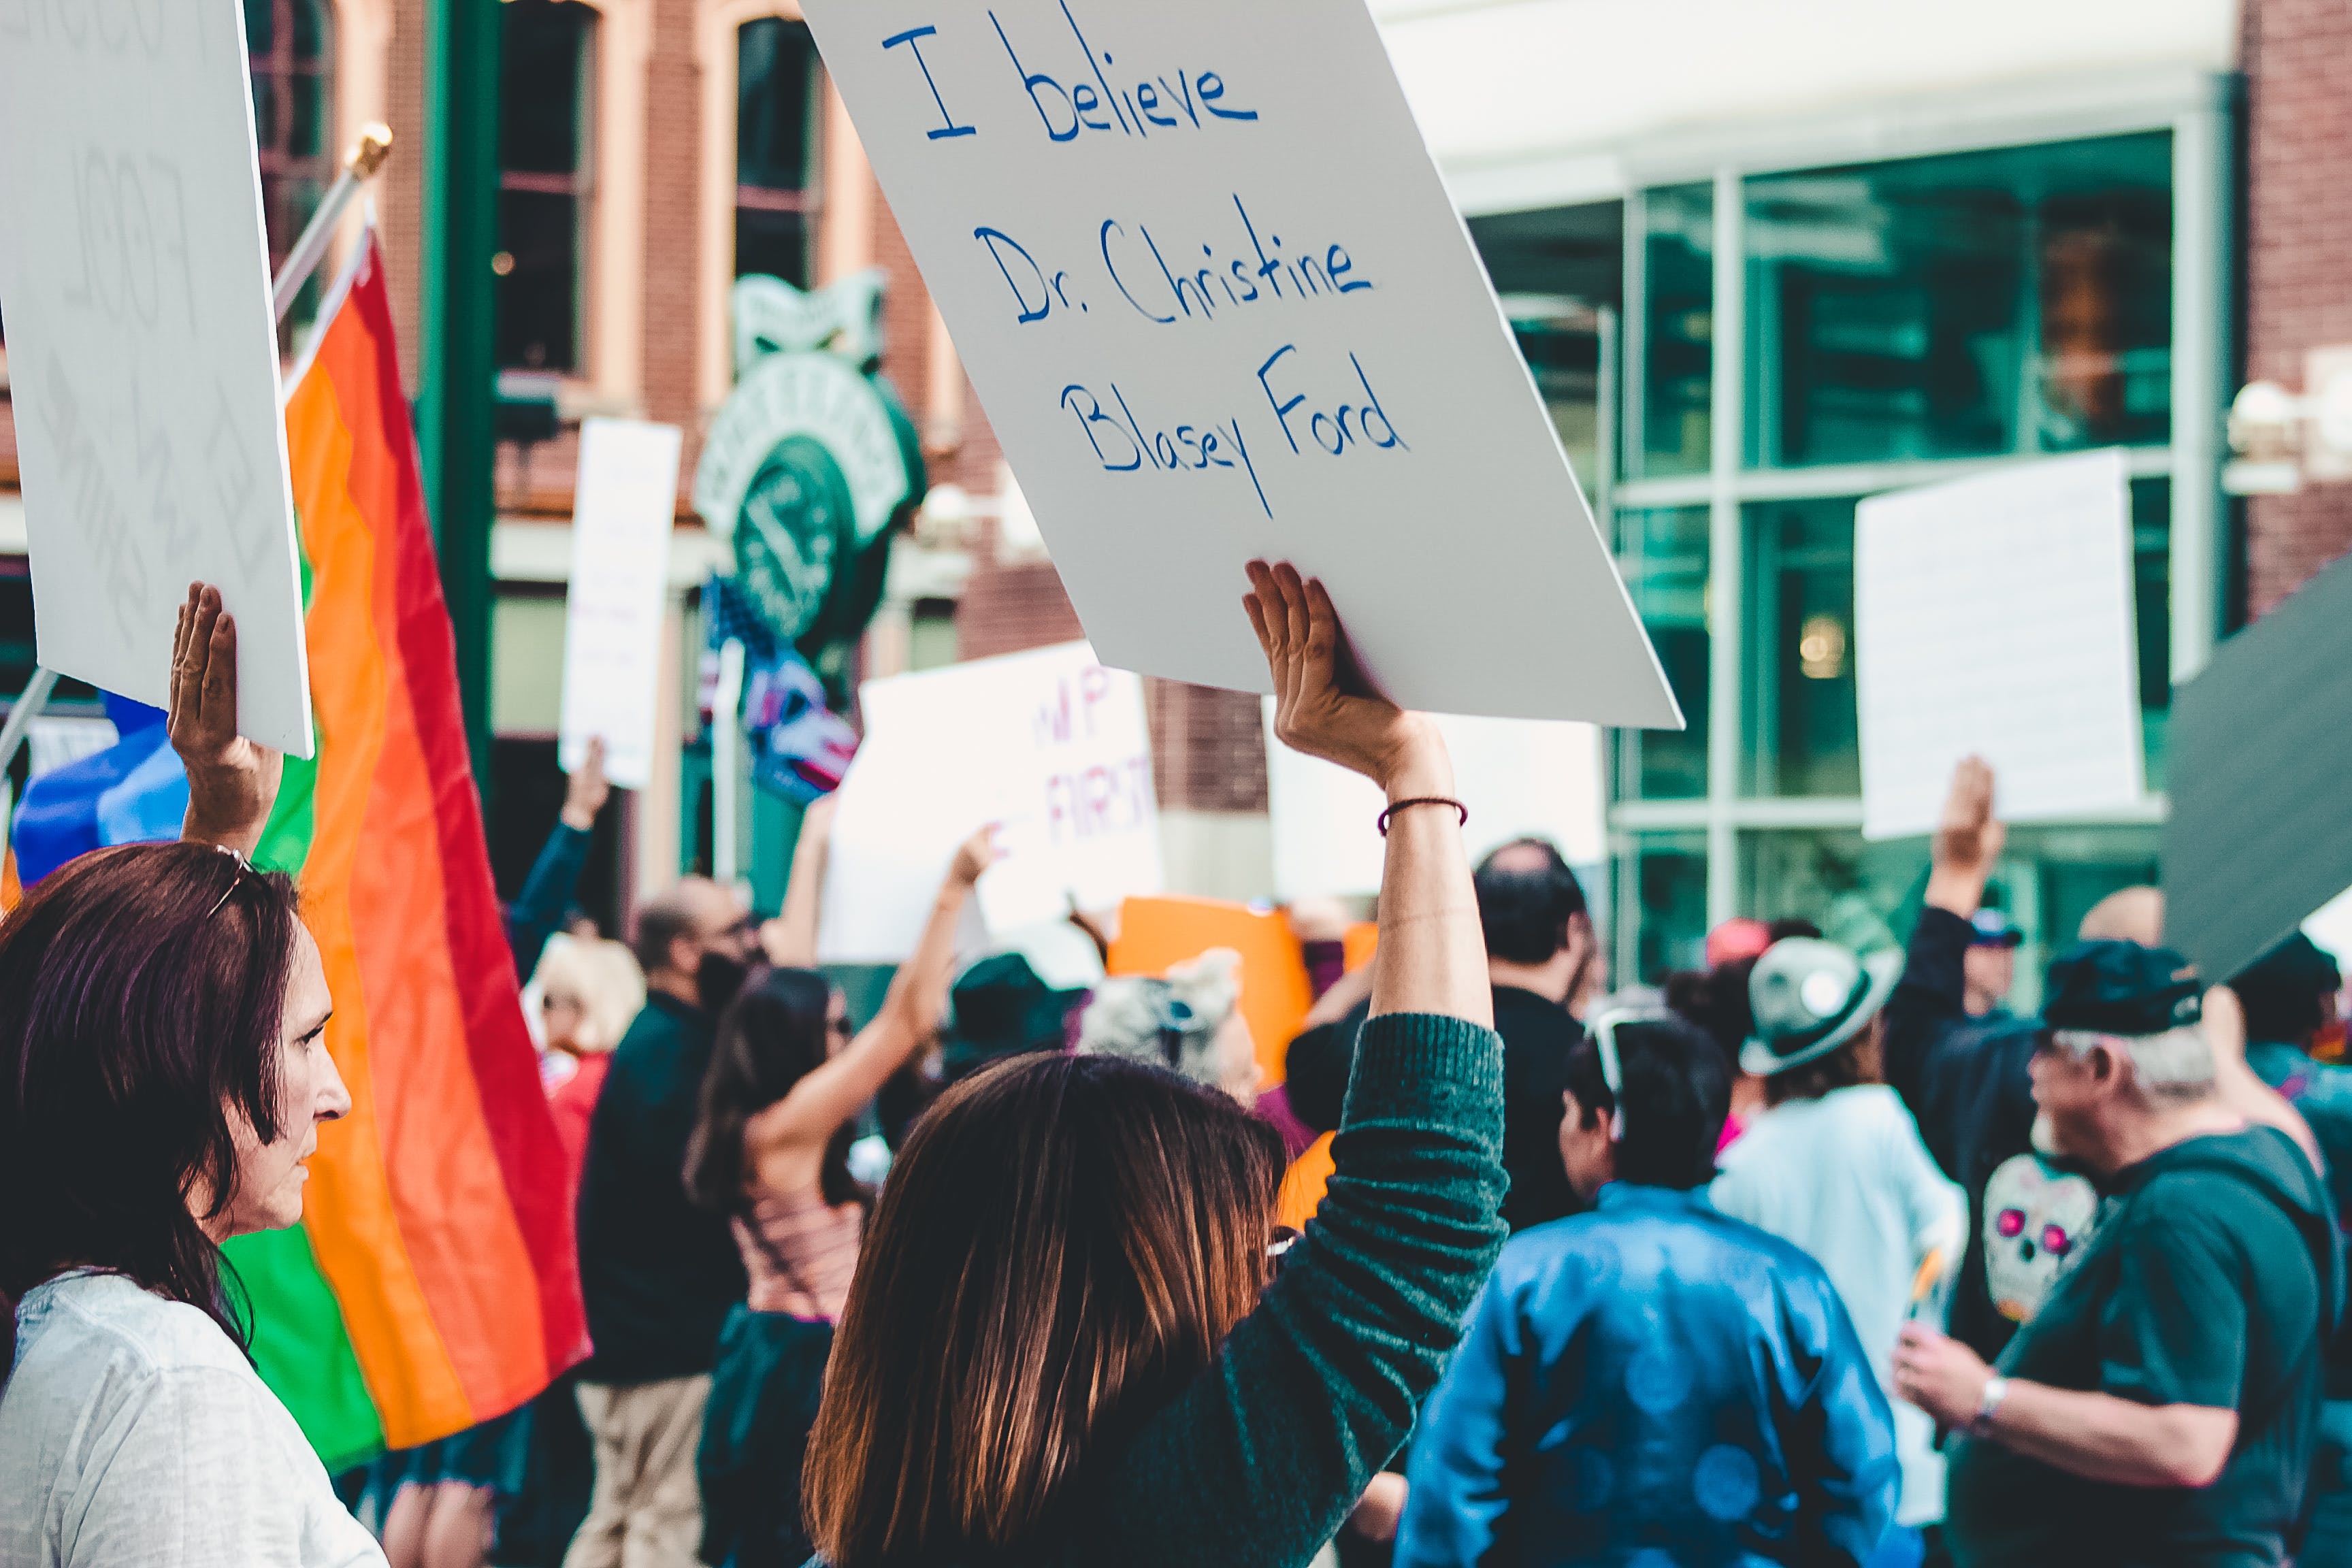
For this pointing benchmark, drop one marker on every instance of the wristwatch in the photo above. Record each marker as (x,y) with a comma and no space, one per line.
(1996,1389)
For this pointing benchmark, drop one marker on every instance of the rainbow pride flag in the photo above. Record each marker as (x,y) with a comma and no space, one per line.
(432,1282)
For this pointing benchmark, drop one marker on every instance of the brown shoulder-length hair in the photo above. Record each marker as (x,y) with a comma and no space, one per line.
(1062,1246)
(142,991)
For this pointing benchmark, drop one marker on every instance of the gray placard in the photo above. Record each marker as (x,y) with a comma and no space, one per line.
(2261,779)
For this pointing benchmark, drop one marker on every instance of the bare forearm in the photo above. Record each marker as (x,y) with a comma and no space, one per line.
(1433,955)
(228,825)
(795,939)
(2102,1438)
(919,992)
(1956,888)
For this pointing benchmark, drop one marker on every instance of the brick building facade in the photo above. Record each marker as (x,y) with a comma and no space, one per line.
(2297,278)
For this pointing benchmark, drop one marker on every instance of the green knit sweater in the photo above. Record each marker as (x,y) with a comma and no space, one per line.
(1260,1459)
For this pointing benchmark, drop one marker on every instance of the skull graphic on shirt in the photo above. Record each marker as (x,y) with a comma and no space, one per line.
(2037,1220)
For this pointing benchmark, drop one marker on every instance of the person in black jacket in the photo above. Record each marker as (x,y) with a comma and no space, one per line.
(658,1274)
(1965,1079)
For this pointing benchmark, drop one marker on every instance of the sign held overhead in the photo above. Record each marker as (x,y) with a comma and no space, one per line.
(134,273)
(1219,307)
(1994,616)
(627,500)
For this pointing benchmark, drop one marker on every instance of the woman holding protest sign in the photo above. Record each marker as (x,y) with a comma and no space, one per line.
(163,1075)
(780,1104)
(1069,1340)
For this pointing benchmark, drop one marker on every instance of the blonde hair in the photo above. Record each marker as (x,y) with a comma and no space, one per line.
(604,979)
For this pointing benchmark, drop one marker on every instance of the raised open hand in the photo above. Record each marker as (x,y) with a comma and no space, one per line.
(1299,631)
(1969,839)
(231,782)
(586,790)
(974,856)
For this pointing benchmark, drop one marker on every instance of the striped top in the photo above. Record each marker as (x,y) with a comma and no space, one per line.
(801,1254)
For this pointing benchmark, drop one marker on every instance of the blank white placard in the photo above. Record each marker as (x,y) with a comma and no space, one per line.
(1994,616)
(1520,778)
(143,351)
(1218,305)
(624,503)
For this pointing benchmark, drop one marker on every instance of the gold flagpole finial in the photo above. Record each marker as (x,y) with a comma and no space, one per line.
(368,154)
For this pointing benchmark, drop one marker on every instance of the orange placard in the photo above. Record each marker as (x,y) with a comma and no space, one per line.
(1154,933)
(1361,941)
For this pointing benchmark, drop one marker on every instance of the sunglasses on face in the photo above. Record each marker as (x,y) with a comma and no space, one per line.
(1613,1073)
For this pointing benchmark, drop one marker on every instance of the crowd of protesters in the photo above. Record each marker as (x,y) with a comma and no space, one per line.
(1813,1255)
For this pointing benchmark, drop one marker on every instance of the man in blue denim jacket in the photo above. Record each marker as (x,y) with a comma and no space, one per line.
(1652,1381)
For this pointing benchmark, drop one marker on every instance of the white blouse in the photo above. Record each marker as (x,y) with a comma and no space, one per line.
(133,1432)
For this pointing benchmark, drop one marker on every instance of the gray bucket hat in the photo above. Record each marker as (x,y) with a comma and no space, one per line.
(1809,997)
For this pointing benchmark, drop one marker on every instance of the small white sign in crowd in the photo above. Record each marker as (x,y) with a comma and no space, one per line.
(622,509)
(1049,745)
(1994,616)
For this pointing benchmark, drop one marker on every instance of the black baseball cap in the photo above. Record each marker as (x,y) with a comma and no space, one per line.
(2121,988)
(1994,929)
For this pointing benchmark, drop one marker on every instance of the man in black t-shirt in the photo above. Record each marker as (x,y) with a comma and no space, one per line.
(1541,956)
(2162,1406)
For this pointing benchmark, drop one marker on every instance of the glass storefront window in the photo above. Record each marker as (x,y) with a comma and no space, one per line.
(1670,880)
(1559,337)
(1673,431)
(1868,895)
(2016,300)
(2152,604)
(1861,894)
(1802,738)
(1559,274)
(1664,555)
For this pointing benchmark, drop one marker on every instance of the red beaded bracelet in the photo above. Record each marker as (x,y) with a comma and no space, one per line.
(1395,806)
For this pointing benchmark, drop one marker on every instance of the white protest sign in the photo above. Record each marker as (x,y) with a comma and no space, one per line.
(1521,778)
(1994,616)
(1218,306)
(627,500)
(143,351)
(1049,745)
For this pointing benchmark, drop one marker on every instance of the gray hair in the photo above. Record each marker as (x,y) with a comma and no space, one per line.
(2176,1065)
(1132,1016)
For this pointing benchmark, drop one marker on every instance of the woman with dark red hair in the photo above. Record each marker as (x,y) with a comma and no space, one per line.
(163,1073)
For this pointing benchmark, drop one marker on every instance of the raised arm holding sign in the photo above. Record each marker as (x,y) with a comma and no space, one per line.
(1217,303)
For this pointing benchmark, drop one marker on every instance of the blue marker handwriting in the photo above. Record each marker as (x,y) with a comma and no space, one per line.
(1124,443)
(1077,86)
(1347,427)
(1165,283)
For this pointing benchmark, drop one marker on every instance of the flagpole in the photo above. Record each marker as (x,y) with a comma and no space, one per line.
(360,166)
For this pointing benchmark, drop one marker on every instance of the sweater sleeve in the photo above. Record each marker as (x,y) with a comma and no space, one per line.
(538,910)
(1927,1003)
(1260,1459)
